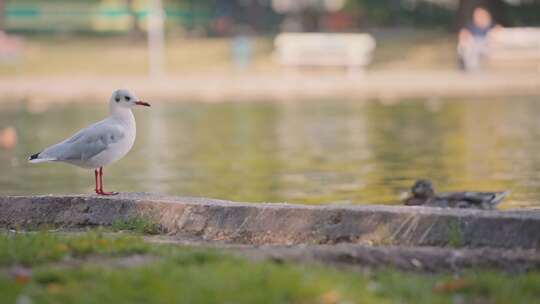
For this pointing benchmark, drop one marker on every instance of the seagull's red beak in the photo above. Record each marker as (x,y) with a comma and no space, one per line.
(142,103)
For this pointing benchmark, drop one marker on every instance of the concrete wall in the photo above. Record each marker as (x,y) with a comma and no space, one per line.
(283,224)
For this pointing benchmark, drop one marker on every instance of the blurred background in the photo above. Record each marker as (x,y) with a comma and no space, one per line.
(305,101)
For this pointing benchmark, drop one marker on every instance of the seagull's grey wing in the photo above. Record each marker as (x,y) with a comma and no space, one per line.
(86,143)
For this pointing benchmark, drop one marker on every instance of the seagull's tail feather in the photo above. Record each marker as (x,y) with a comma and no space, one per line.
(499,196)
(36,158)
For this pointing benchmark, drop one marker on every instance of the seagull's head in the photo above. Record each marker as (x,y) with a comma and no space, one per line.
(126,99)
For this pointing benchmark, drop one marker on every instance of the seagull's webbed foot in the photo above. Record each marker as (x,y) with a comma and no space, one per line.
(101,192)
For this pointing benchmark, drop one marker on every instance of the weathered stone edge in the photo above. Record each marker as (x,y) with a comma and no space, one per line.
(284,224)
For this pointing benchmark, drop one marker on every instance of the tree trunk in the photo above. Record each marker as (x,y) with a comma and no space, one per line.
(2,15)
(135,31)
(497,8)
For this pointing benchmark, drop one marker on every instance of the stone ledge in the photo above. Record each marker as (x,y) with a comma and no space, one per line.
(281,224)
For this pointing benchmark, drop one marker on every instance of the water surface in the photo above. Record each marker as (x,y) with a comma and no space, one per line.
(301,152)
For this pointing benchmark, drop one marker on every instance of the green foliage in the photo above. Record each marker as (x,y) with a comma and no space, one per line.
(135,223)
(393,13)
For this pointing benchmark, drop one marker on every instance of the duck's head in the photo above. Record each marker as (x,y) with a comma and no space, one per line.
(125,99)
(423,188)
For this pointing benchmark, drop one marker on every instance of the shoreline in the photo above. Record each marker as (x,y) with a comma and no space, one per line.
(287,86)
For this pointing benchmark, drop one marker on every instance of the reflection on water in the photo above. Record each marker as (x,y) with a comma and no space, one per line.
(304,152)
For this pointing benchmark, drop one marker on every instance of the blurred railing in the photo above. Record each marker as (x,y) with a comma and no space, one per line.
(90,17)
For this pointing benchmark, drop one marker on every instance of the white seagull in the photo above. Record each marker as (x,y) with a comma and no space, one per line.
(99,144)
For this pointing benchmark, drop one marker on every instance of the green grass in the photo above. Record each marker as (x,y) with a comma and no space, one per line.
(179,274)
(90,56)
(455,235)
(83,56)
(136,224)
(41,247)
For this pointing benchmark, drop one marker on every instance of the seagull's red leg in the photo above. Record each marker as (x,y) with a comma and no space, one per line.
(96,173)
(101,191)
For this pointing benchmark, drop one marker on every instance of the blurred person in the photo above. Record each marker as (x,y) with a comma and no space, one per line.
(473,39)
(339,21)
(10,48)
(242,45)
(223,24)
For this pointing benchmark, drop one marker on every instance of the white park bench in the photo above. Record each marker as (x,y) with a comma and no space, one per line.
(352,51)
(515,47)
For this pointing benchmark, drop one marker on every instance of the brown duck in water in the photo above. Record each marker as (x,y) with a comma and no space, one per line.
(423,194)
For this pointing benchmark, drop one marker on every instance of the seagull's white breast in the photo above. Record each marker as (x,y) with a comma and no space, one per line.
(114,151)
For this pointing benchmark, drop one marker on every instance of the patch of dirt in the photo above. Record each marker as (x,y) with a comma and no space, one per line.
(423,259)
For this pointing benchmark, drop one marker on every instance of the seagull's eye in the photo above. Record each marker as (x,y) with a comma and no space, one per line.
(117,99)
(128,98)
